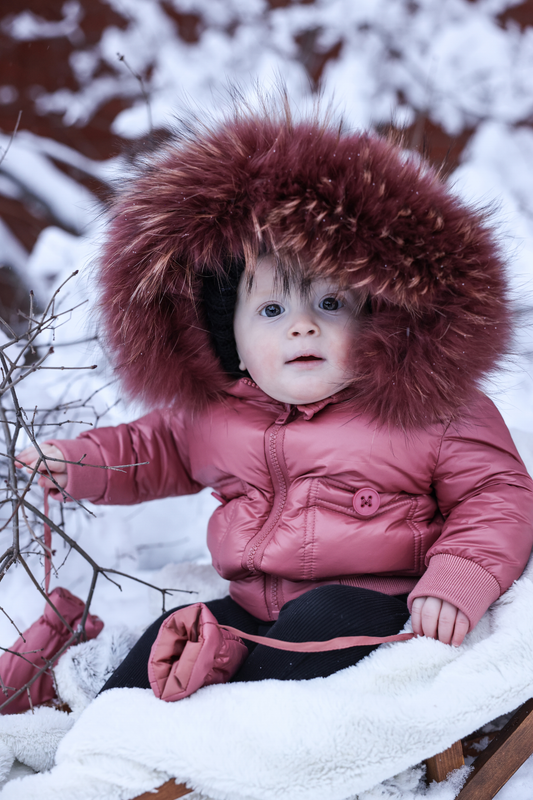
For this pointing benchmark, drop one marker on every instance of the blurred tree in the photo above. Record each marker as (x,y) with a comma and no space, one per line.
(81,73)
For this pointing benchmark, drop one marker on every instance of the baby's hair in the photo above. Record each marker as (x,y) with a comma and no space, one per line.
(291,273)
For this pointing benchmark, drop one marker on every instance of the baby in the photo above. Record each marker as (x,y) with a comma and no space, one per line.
(310,315)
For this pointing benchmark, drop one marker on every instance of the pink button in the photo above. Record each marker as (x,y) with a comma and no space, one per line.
(366,502)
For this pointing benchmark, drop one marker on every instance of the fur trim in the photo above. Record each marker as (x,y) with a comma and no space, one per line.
(351,206)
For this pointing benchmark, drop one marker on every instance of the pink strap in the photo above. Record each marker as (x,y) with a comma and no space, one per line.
(47,547)
(340,643)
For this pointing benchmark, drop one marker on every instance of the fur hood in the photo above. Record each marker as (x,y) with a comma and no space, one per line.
(352,206)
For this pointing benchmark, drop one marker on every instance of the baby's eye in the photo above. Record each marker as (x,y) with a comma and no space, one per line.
(272,310)
(330,304)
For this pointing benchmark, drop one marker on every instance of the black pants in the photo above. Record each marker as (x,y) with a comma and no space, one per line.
(323,613)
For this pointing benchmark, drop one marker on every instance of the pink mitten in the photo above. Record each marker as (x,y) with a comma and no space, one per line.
(192,651)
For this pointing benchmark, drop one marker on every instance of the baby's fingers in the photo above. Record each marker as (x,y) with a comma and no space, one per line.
(425,616)
(447,620)
(439,620)
(461,628)
(54,459)
(429,616)
(60,480)
(26,457)
(453,625)
(416,614)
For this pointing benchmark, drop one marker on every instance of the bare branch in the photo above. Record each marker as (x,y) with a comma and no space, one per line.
(45,596)
(23,516)
(144,93)
(15,129)
(13,623)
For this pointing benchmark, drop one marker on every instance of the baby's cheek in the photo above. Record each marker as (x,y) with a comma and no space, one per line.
(264,366)
(343,353)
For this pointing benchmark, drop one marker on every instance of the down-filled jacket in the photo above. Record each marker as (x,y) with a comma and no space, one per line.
(407,481)
(319,494)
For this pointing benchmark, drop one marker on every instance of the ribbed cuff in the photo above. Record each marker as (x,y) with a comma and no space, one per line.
(459,581)
(83,481)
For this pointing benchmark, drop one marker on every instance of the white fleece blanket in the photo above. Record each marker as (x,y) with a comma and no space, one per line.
(326,739)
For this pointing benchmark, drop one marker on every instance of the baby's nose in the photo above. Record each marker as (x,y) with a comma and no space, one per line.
(303,327)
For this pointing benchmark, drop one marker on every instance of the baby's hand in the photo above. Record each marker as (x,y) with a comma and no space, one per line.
(29,458)
(439,620)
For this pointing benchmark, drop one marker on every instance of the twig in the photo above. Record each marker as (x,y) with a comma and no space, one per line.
(82,463)
(62,369)
(5,689)
(23,514)
(44,595)
(145,94)
(14,624)
(15,129)
(30,701)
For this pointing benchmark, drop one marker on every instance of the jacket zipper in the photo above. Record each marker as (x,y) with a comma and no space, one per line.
(279,484)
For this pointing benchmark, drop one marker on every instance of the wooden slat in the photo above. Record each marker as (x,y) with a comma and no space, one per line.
(500,760)
(440,765)
(167,791)
(471,743)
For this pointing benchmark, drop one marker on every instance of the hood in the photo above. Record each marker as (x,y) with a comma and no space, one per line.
(352,206)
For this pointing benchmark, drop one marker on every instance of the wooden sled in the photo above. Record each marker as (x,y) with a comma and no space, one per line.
(494,766)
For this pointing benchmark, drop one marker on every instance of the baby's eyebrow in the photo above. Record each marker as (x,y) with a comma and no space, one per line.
(333,290)
(269,299)
(274,297)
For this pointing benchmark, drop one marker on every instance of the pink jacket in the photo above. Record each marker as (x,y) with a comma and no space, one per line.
(321,494)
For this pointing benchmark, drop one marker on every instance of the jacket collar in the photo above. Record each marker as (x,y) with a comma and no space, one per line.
(247,389)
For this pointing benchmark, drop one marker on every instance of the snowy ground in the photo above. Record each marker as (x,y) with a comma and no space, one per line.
(454,61)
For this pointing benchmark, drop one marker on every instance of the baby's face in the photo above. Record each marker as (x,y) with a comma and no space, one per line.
(296,347)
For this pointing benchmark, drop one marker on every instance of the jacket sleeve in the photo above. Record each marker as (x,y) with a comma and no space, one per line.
(486,498)
(156,448)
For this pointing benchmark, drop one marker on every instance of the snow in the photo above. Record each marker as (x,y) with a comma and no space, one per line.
(451,61)
(64,198)
(13,253)
(28,26)
(104,170)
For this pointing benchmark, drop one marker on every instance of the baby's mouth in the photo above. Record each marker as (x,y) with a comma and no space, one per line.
(300,359)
